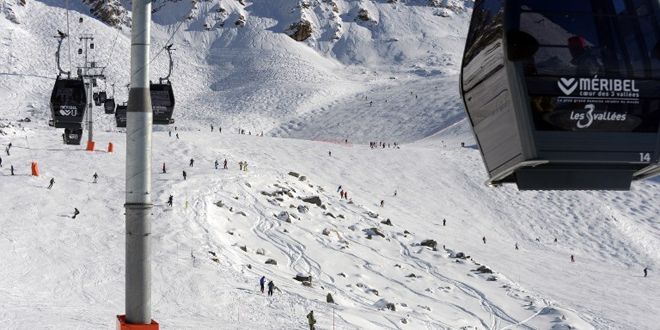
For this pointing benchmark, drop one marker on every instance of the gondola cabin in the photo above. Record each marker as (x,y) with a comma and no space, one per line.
(109,106)
(120,115)
(67,103)
(72,136)
(162,103)
(565,94)
(103,96)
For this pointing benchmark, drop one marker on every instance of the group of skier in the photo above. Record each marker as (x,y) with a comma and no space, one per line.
(383,145)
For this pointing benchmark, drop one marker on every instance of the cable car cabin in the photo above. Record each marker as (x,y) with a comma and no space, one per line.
(120,115)
(162,103)
(109,106)
(72,136)
(103,96)
(565,94)
(97,101)
(67,103)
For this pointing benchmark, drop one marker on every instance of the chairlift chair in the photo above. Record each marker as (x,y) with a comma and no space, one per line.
(109,106)
(120,115)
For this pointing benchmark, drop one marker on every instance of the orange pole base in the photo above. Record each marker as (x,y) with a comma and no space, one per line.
(122,325)
(35,169)
(90,145)
(110,147)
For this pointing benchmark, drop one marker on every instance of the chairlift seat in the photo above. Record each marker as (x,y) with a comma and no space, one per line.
(120,115)
(109,106)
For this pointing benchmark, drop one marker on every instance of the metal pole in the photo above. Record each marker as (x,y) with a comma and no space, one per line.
(90,94)
(138,172)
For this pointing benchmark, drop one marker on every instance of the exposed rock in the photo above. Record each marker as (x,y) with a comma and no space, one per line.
(329,214)
(219,204)
(326,231)
(372,214)
(387,222)
(411,275)
(302,178)
(307,284)
(406,232)
(303,278)
(341,216)
(352,227)
(294,174)
(363,15)
(241,213)
(491,279)
(110,12)
(328,299)
(240,22)
(303,209)
(384,304)
(313,200)
(283,216)
(261,251)
(342,275)
(271,262)
(484,270)
(373,231)
(243,247)
(265,193)
(429,243)
(212,253)
(458,255)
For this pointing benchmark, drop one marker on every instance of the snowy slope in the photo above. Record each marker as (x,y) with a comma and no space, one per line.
(69,273)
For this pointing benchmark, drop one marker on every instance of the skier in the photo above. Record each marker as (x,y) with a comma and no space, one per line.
(330,153)
(271,285)
(219,129)
(192,162)
(96,177)
(371,103)
(572,258)
(225,164)
(339,188)
(0,161)
(216,164)
(444,222)
(240,165)
(52,181)
(395,193)
(7,151)
(170,200)
(245,165)
(346,195)
(211,128)
(12,169)
(646,271)
(184,175)
(75,213)
(516,245)
(170,133)
(484,239)
(555,239)
(341,194)
(382,203)
(262,282)
(164,169)
(311,320)
(177,136)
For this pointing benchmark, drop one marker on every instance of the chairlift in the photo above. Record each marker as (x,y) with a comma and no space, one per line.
(120,115)
(95,97)
(72,136)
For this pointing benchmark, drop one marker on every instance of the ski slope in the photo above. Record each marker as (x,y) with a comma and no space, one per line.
(307,98)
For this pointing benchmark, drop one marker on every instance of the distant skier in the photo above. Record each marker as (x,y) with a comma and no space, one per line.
(170,133)
(339,188)
(572,258)
(516,245)
(271,286)
(52,182)
(225,164)
(177,136)
(329,153)
(395,192)
(75,213)
(555,239)
(646,271)
(192,162)
(211,128)
(484,239)
(371,103)
(7,151)
(219,129)
(0,161)
(185,175)
(170,200)
(311,320)
(216,164)
(11,169)
(444,222)
(96,177)
(382,203)
(164,169)
(262,283)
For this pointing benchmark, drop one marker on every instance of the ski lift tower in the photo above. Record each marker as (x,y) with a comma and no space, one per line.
(138,178)
(90,72)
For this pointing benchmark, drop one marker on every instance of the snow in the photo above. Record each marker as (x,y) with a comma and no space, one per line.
(307,98)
